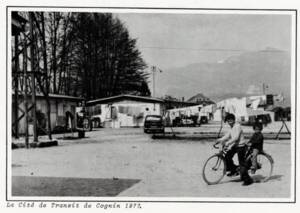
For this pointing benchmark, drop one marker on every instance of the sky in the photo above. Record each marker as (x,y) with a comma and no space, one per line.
(177,40)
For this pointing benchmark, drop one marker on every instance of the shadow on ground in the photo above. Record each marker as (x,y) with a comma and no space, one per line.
(256,178)
(62,186)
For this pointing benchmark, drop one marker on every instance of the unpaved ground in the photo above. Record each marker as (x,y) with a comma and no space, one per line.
(163,168)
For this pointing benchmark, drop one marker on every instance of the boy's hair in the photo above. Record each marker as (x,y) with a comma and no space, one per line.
(229,117)
(258,125)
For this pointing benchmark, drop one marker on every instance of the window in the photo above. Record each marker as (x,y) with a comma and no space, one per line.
(97,110)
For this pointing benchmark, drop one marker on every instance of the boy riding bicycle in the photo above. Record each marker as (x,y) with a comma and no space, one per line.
(234,142)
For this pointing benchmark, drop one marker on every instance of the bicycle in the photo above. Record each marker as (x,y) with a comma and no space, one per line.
(214,168)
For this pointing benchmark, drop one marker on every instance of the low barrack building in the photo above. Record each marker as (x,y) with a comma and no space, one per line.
(123,110)
(59,105)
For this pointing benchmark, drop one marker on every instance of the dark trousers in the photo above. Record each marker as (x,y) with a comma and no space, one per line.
(243,163)
(231,167)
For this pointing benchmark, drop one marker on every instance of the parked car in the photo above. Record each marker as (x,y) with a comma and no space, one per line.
(203,120)
(187,122)
(154,124)
(96,122)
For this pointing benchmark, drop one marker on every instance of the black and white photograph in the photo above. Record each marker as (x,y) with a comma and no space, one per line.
(151,104)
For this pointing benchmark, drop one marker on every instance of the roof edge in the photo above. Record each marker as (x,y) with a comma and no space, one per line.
(141,98)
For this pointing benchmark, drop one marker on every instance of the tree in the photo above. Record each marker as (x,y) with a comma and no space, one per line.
(41,49)
(107,54)
(89,55)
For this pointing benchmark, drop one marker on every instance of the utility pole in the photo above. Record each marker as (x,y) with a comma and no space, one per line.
(153,69)
(33,90)
(264,87)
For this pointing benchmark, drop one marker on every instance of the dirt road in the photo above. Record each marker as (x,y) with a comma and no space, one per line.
(154,168)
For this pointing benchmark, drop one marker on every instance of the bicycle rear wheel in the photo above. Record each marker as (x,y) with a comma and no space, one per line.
(265,165)
(214,169)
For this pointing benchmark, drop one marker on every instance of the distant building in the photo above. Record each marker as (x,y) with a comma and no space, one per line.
(200,99)
(174,104)
(124,110)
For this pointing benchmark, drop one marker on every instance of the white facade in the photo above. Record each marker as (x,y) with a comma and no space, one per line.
(124,113)
(243,108)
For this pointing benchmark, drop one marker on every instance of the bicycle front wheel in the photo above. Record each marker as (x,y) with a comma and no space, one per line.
(214,169)
(264,170)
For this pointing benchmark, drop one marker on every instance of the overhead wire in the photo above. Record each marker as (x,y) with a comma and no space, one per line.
(197,49)
(212,49)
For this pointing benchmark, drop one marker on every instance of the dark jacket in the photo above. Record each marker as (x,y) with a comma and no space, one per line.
(257,141)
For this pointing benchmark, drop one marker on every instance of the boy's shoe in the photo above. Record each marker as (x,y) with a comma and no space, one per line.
(248,182)
(233,173)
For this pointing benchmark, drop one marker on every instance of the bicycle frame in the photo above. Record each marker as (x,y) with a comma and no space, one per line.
(218,163)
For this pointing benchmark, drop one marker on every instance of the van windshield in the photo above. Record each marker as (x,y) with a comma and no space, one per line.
(153,118)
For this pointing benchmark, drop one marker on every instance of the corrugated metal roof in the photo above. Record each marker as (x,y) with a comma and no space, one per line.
(54,96)
(128,97)
(58,96)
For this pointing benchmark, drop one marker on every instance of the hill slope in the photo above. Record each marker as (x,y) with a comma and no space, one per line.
(235,76)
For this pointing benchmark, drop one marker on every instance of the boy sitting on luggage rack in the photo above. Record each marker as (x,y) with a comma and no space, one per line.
(256,145)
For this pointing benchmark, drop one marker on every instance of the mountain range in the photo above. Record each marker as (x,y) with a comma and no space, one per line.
(236,76)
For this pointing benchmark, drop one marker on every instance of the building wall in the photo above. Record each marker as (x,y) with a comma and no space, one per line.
(125,113)
(218,115)
(243,119)
(58,109)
